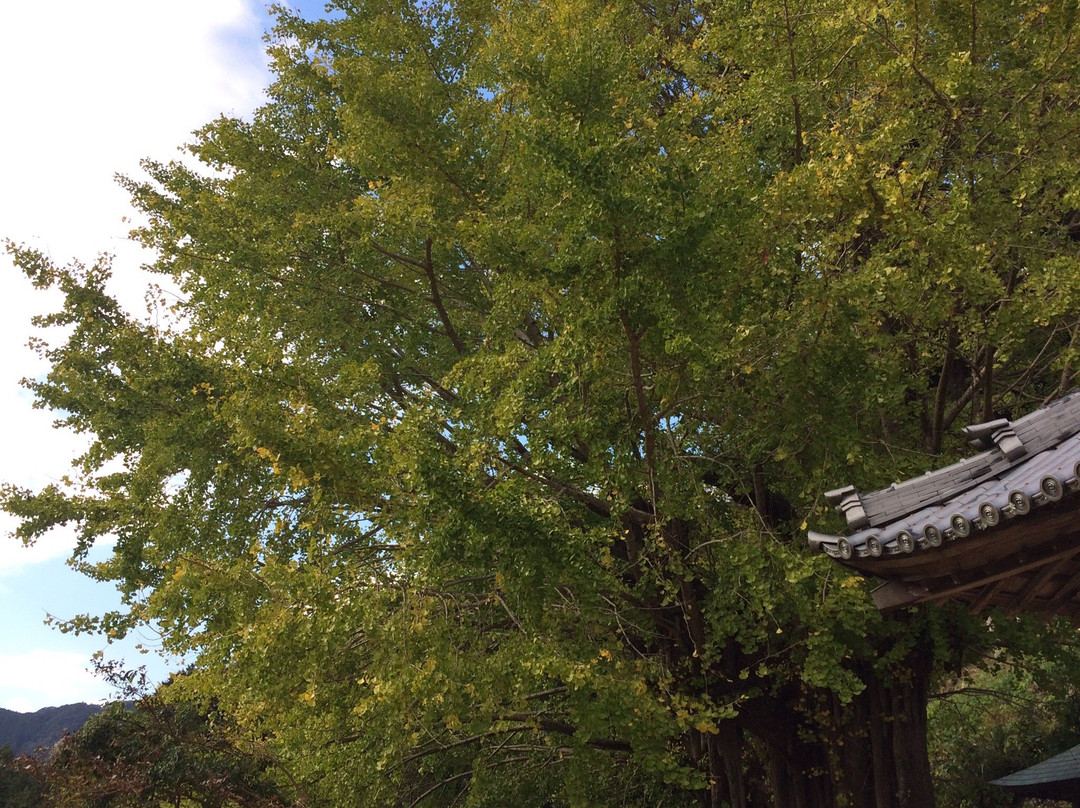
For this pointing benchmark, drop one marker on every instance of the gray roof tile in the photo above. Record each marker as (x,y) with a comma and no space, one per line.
(972,494)
(1065,766)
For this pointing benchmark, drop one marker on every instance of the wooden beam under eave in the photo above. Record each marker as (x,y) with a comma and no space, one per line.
(1068,589)
(1038,581)
(1005,569)
(991,581)
(987,596)
(894,594)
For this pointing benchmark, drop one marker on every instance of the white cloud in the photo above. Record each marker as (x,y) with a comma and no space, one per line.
(14,557)
(89,89)
(40,678)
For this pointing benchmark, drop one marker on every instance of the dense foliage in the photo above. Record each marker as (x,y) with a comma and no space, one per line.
(159,754)
(150,751)
(19,788)
(996,722)
(516,344)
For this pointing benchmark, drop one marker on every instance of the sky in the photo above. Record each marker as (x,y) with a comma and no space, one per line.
(89,89)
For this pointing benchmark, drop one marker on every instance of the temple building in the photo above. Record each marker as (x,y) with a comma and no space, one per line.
(1000,528)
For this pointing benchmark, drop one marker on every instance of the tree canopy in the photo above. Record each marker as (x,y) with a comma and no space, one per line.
(153,754)
(515,345)
(18,786)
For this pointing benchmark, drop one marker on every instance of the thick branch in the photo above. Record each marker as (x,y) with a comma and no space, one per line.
(797,155)
(937,423)
(943,99)
(593,503)
(634,339)
(436,298)
(442,747)
(565,728)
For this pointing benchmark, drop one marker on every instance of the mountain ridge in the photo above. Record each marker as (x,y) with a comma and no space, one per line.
(27,732)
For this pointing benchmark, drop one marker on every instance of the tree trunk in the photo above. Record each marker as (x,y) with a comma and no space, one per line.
(870,753)
(727,785)
(894,712)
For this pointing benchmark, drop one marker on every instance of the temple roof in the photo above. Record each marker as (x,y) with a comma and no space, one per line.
(999,528)
(1055,778)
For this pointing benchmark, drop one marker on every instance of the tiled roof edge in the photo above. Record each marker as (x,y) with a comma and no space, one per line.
(1062,767)
(1035,460)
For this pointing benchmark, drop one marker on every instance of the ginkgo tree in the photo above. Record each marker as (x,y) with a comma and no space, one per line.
(516,343)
